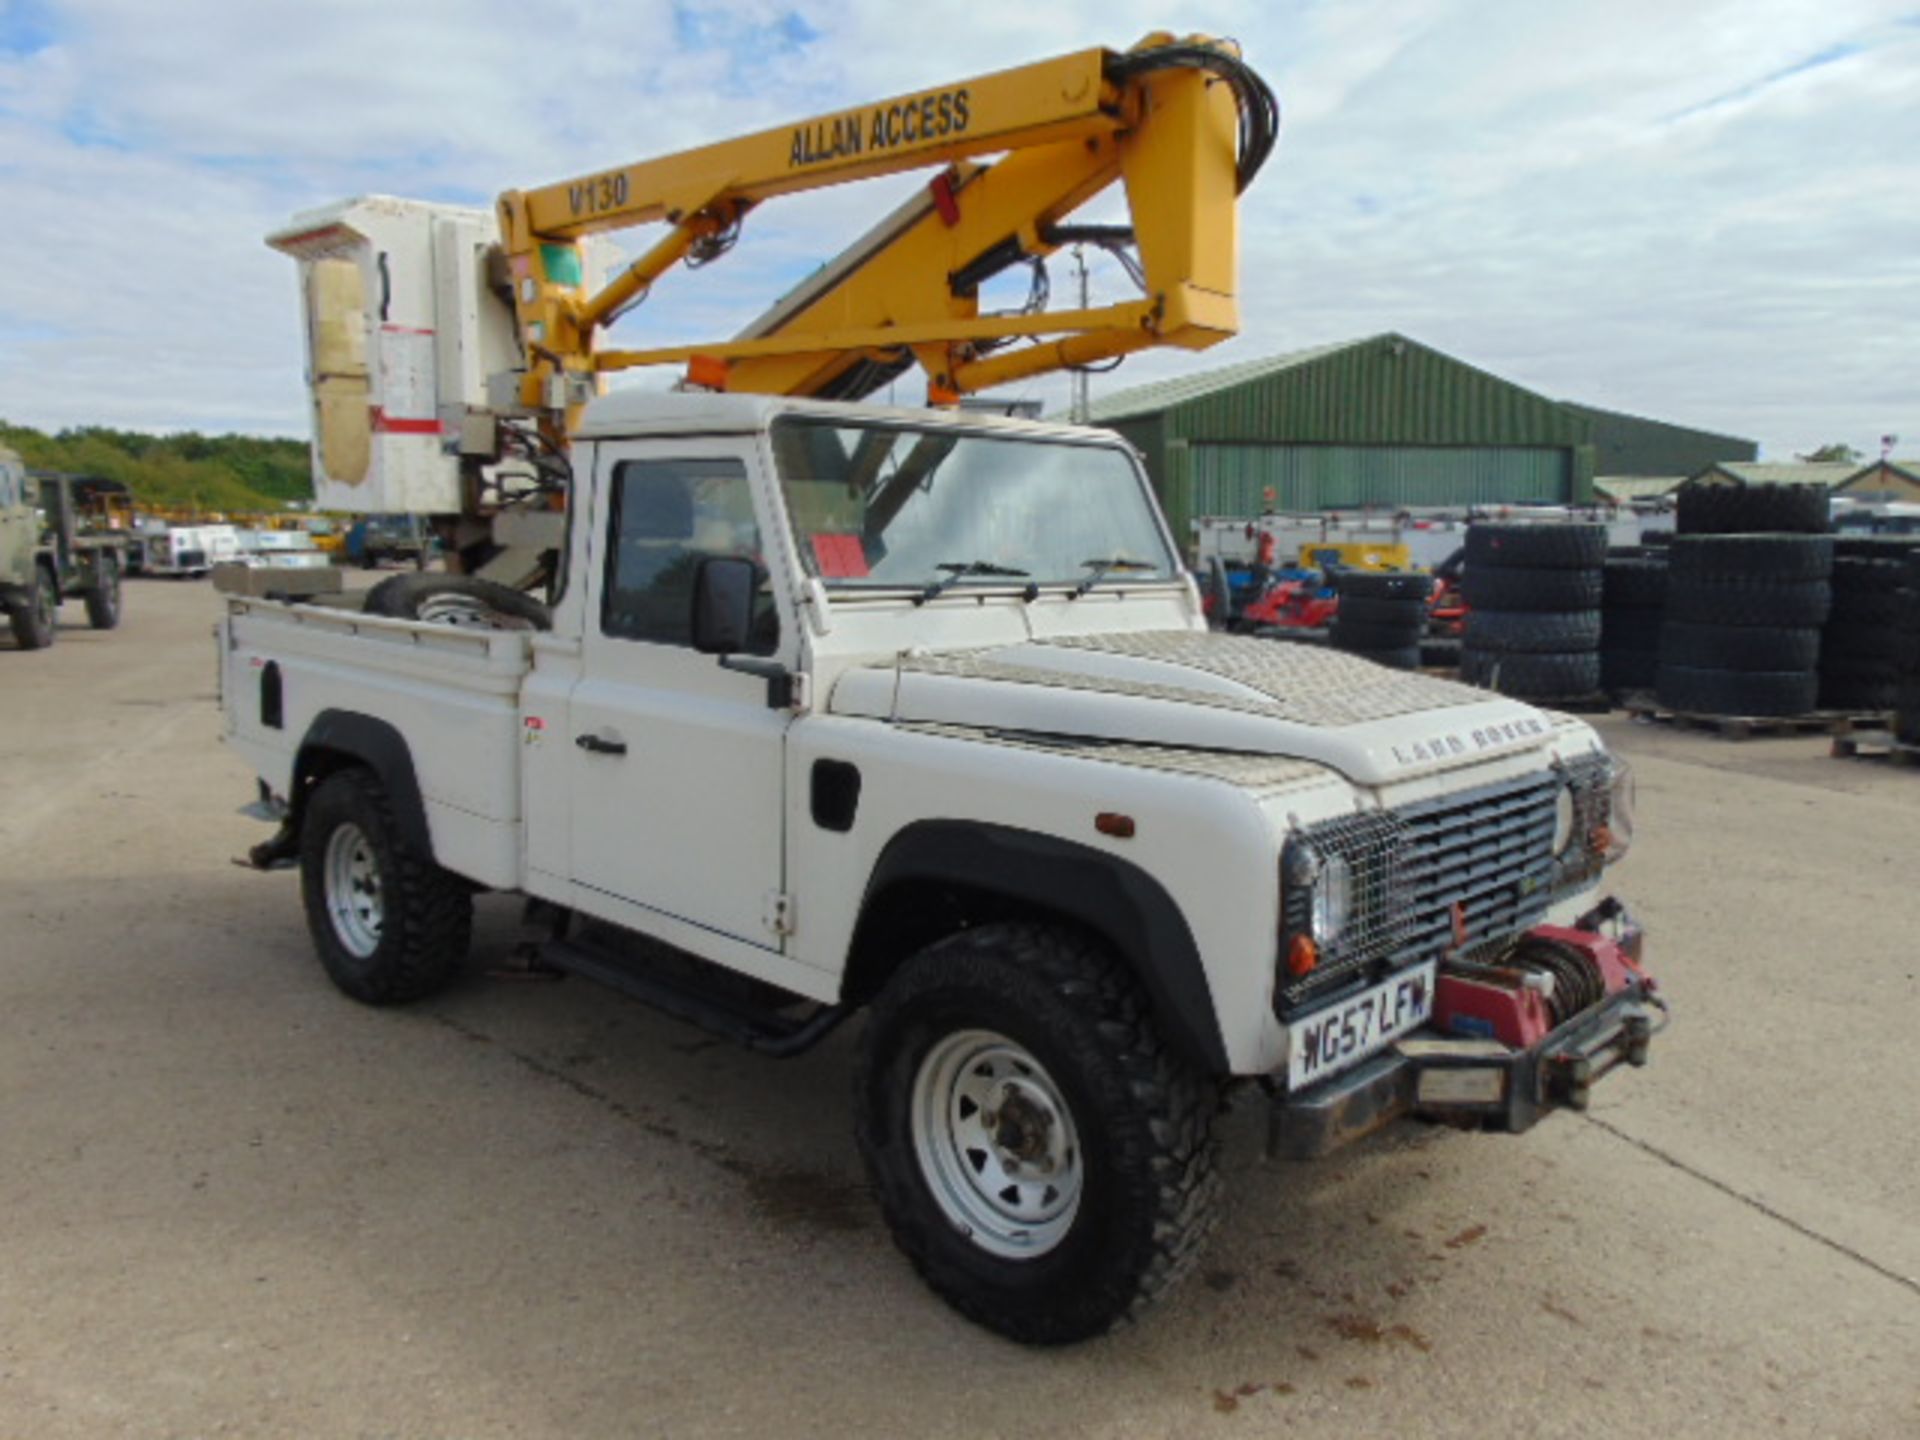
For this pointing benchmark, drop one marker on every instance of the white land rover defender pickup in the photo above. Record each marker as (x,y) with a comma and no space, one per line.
(842,708)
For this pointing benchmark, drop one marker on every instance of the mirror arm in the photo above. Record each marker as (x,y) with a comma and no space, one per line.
(781,690)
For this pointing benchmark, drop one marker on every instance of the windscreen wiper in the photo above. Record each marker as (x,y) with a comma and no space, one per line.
(1103,568)
(958,570)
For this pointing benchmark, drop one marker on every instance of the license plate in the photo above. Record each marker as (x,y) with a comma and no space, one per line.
(1342,1035)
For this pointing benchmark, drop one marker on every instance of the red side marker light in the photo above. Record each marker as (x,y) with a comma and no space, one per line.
(1120,827)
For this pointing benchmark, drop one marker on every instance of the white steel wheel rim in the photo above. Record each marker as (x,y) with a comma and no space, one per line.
(466,612)
(352,878)
(996,1144)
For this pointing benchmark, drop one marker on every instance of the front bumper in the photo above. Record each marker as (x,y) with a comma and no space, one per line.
(1474,1083)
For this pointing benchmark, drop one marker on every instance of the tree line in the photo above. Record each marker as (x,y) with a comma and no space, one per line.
(186,470)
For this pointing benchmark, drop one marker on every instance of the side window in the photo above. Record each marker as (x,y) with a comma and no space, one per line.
(667,515)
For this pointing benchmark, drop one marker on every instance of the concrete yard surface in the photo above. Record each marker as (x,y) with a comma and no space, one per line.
(236,1203)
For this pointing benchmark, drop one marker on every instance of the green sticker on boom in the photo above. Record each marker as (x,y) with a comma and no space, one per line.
(562,264)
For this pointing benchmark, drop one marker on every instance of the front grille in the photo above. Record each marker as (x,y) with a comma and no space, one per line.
(1488,851)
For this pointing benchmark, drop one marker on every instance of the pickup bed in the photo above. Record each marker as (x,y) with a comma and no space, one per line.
(855,708)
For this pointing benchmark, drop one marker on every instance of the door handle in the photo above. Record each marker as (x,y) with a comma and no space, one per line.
(598,746)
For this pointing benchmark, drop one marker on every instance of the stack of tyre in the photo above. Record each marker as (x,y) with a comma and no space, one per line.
(1906,655)
(1747,592)
(1859,670)
(1533,626)
(1382,616)
(1633,608)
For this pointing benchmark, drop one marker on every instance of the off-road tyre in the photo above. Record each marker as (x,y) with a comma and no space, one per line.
(1144,1121)
(1906,715)
(1395,657)
(1367,610)
(1866,592)
(103,600)
(1752,557)
(1759,693)
(1738,647)
(1844,642)
(1500,588)
(1622,671)
(1752,510)
(1875,547)
(1631,629)
(1533,631)
(1854,573)
(427,921)
(1383,585)
(1344,634)
(1540,546)
(36,619)
(1572,676)
(1857,686)
(1440,652)
(1792,604)
(1904,652)
(457,600)
(1634,583)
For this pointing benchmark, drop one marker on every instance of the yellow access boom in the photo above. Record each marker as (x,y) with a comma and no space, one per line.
(1184,123)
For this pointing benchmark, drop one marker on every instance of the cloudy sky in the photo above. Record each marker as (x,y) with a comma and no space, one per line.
(1706,211)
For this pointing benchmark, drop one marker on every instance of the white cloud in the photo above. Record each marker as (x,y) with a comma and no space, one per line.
(1701,212)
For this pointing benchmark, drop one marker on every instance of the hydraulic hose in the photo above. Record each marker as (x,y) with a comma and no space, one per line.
(1259,110)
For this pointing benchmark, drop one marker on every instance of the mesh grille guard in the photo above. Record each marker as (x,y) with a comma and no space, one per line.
(1488,850)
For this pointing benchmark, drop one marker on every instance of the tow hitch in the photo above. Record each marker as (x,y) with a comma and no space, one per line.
(1509,1041)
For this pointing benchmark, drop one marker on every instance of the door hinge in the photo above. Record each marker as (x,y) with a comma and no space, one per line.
(778,915)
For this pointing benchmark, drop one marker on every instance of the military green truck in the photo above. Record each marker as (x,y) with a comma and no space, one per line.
(59,538)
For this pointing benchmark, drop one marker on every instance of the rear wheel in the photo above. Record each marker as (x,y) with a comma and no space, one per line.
(103,600)
(1040,1157)
(389,924)
(35,620)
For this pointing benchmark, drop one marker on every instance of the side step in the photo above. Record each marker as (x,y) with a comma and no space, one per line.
(766,1032)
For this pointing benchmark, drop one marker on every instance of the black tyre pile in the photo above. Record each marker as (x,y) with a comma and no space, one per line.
(1906,655)
(1633,608)
(1382,616)
(1748,591)
(1533,626)
(1859,671)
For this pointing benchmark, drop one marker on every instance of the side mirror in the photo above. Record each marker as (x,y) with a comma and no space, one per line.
(723,591)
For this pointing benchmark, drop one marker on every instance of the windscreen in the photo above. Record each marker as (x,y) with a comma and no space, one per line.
(893,506)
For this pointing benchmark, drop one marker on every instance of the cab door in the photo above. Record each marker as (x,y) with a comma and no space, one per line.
(678,766)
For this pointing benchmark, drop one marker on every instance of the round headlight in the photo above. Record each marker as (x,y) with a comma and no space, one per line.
(1332,900)
(1563,815)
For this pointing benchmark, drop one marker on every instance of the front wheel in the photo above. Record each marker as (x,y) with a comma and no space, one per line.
(103,600)
(388,923)
(1040,1157)
(36,619)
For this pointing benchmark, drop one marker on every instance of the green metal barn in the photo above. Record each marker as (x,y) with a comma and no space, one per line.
(1384,422)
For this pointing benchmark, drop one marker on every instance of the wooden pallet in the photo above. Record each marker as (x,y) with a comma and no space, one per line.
(1875,745)
(1742,727)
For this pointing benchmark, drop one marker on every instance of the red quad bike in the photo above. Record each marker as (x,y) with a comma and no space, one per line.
(1292,604)
(1511,1040)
